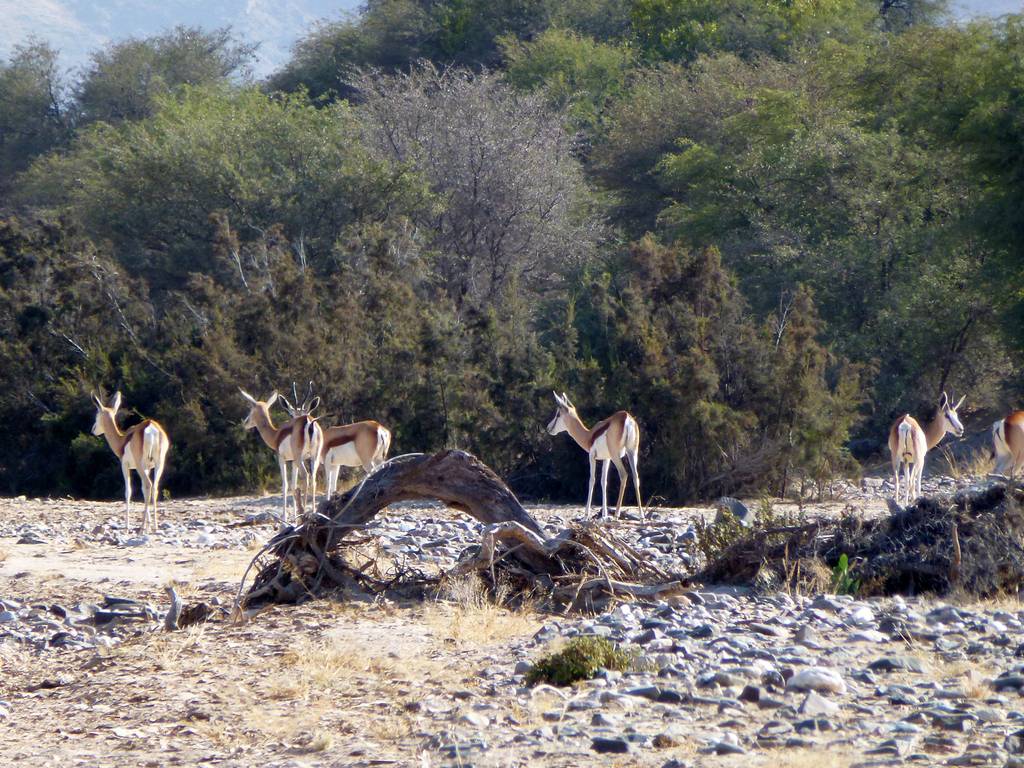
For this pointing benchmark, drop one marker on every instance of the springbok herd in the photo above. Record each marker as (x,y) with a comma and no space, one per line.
(303,443)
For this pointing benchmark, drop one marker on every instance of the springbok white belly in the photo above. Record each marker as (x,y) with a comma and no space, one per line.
(344,455)
(285,449)
(601,451)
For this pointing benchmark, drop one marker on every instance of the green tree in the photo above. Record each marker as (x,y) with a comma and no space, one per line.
(577,74)
(151,185)
(125,80)
(680,30)
(33,108)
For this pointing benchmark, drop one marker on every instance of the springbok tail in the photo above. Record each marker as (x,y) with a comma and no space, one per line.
(905,442)
(632,434)
(150,441)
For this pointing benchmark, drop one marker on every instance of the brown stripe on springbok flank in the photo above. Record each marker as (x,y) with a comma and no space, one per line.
(338,440)
(599,430)
(283,433)
(133,432)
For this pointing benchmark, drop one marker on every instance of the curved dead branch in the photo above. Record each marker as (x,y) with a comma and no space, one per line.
(580,566)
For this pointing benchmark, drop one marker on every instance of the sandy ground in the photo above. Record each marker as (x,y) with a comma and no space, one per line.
(319,684)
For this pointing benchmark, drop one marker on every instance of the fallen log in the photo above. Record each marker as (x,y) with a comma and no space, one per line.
(579,566)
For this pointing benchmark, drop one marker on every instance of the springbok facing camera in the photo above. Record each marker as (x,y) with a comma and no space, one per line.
(909,443)
(609,441)
(298,440)
(142,447)
(1008,442)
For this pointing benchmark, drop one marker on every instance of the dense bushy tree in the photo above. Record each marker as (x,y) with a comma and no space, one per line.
(124,80)
(681,30)
(731,154)
(391,35)
(150,185)
(577,74)
(33,108)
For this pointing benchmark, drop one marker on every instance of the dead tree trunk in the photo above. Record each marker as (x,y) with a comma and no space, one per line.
(456,478)
(584,562)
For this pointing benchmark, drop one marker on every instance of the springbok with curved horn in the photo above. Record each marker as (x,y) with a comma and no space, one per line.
(610,441)
(142,447)
(300,439)
(1008,441)
(909,443)
(361,444)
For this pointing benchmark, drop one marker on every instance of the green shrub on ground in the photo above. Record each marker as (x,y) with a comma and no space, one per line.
(581,659)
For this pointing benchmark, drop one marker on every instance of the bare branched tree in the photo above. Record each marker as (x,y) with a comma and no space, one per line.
(512,195)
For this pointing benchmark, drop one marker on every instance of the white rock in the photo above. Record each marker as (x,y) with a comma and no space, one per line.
(860,616)
(867,636)
(819,679)
(475,719)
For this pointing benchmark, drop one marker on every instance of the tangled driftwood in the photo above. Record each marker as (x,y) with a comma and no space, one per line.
(582,566)
(972,541)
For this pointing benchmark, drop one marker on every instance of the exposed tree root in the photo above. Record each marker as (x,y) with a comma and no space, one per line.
(582,567)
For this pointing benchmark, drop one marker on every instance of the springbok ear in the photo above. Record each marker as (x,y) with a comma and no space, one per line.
(568,402)
(96,399)
(273,398)
(558,397)
(247,396)
(313,404)
(115,404)
(959,403)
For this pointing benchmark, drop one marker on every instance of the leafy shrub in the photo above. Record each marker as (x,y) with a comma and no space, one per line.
(716,537)
(842,582)
(581,659)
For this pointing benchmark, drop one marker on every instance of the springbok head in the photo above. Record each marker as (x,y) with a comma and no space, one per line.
(951,420)
(565,408)
(259,410)
(307,406)
(104,412)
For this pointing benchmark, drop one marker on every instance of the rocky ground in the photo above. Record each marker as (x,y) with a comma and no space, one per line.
(727,678)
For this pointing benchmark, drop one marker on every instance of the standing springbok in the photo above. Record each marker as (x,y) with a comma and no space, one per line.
(362,444)
(909,443)
(142,447)
(295,442)
(1008,441)
(610,440)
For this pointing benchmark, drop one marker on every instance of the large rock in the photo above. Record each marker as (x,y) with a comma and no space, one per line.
(820,679)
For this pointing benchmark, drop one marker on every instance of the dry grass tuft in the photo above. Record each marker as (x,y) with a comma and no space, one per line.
(969,676)
(975,464)
(466,614)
